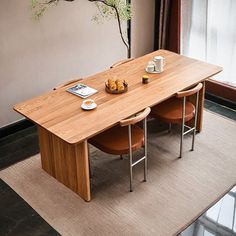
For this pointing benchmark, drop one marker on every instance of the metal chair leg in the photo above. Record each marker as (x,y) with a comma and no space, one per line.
(121,157)
(195,121)
(145,149)
(182,128)
(130,159)
(193,139)
(131,164)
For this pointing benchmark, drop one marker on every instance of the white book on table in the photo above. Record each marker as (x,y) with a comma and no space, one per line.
(82,90)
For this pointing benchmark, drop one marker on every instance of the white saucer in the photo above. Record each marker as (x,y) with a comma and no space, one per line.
(93,106)
(154,72)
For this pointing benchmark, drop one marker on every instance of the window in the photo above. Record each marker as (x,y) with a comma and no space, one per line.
(209,34)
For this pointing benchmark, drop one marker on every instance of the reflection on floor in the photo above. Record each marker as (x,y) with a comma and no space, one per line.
(219,220)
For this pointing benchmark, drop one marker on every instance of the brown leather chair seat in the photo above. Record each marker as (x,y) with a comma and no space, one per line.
(124,139)
(179,110)
(170,111)
(116,141)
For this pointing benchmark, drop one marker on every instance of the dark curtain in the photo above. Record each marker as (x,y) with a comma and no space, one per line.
(167,25)
(129,32)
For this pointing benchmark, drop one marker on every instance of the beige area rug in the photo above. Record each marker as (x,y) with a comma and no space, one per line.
(177,191)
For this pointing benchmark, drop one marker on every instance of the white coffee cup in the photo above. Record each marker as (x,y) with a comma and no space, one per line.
(88,103)
(159,63)
(151,68)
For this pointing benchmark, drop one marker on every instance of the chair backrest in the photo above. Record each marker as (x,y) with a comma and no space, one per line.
(67,83)
(189,92)
(121,62)
(136,119)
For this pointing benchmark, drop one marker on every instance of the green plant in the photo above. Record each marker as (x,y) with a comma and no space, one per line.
(107,9)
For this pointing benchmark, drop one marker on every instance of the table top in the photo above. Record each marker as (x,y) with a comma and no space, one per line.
(60,112)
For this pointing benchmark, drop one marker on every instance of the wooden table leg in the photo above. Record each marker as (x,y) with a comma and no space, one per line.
(200,107)
(67,163)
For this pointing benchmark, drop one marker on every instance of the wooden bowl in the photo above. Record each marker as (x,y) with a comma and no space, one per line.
(116,91)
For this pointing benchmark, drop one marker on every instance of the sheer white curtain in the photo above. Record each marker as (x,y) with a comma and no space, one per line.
(209,34)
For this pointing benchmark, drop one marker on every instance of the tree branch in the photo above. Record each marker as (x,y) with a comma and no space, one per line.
(118,19)
(113,6)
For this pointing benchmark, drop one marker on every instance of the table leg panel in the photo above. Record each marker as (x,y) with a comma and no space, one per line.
(82,164)
(66,162)
(47,157)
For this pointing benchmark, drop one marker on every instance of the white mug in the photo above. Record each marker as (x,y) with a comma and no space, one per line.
(151,67)
(159,63)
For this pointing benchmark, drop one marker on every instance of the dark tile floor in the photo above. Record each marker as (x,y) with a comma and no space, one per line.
(18,146)
(18,218)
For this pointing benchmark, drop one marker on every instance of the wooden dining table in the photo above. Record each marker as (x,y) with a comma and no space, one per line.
(64,128)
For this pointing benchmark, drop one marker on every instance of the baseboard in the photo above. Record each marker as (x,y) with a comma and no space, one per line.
(221,89)
(220,100)
(15,127)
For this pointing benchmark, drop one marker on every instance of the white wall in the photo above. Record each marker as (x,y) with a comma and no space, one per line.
(142,27)
(65,43)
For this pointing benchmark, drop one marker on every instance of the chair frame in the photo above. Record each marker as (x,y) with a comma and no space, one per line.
(67,83)
(129,122)
(121,62)
(131,164)
(184,95)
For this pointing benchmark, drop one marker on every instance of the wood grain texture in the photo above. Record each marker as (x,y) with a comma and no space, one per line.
(135,119)
(65,162)
(59,111)
(189,92)
(61,121)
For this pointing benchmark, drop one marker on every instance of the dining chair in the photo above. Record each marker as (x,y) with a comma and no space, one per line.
(121,62)
(67,83)
(125,138)
(178,110)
